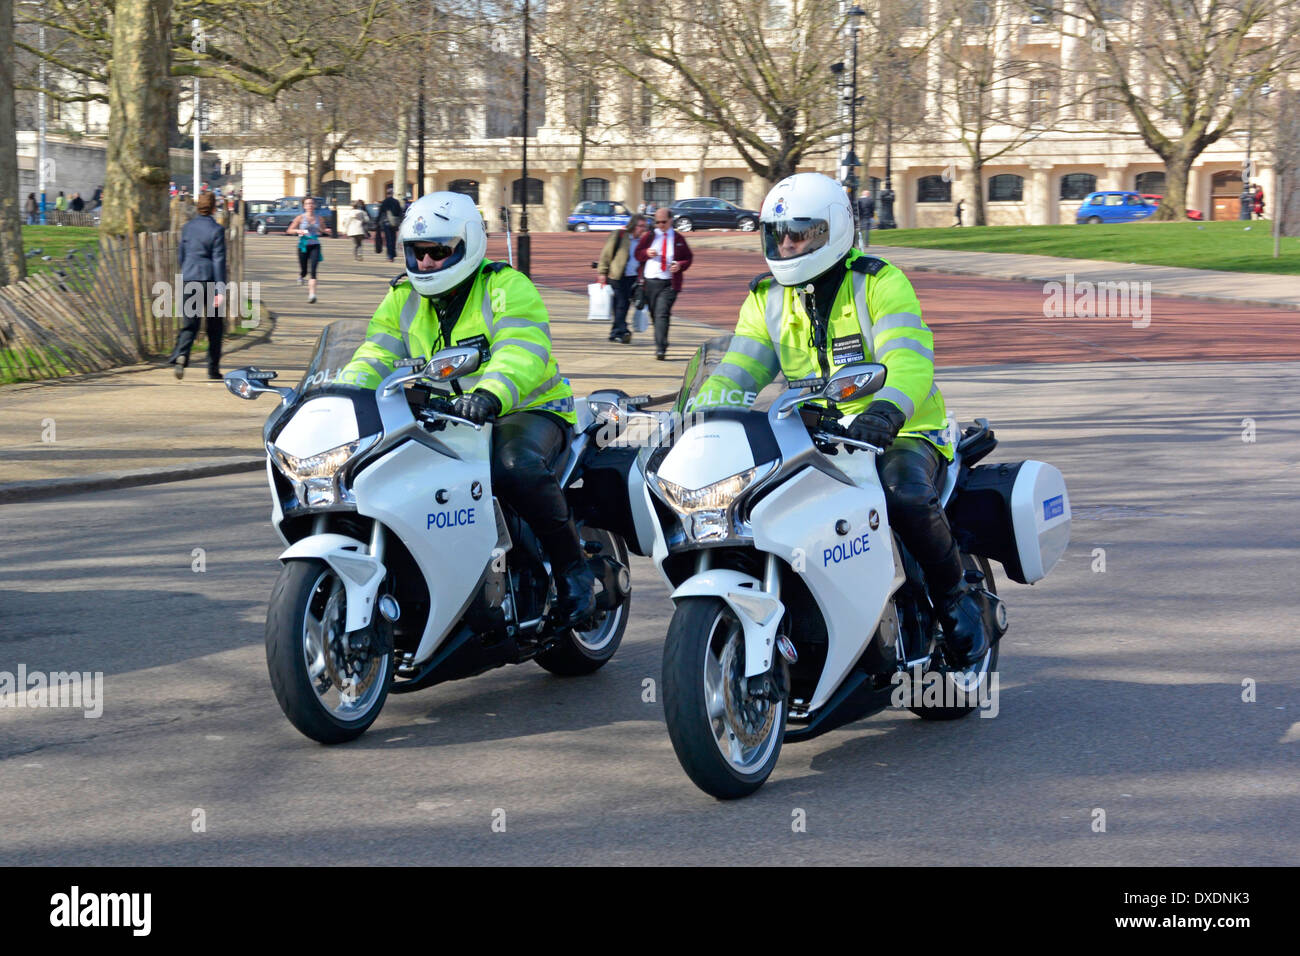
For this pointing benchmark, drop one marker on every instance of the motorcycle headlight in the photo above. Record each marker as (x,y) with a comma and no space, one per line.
(717,497)
(315,478)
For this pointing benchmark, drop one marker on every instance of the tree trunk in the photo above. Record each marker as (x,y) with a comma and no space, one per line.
(13,266)
(977,172)
(1173,204)
(576,196)
(403,134)
(138,166)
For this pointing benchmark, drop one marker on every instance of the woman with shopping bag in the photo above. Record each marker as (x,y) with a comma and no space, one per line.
(618,267)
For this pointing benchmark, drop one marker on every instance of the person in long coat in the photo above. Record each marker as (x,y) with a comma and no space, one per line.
(202,255)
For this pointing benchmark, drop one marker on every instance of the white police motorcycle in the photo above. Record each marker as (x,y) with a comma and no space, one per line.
(797,609)
(401,569)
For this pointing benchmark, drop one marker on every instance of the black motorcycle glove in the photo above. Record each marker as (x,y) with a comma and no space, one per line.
(477,406)
(878,425)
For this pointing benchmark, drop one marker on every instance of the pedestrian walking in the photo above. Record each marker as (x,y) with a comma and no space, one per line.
(356,227)
(1258,204)
(390,217)
(308,227)
(620,267)
(202,258)
(961,203)
(77,204)
(97,200)
(866,210)
(31,209)
(665,256)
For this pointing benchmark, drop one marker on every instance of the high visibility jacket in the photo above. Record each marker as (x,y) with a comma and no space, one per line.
(875,318)
(503,316)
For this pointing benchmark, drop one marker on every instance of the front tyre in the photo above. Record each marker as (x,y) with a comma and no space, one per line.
(683,224)
(581,227)
(726,741)
(330,684)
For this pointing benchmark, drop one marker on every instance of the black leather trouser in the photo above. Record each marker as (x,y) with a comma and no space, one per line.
(527,449)
(912,472)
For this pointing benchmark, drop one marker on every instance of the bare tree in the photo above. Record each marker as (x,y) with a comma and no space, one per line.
(12,265)
(1185,71)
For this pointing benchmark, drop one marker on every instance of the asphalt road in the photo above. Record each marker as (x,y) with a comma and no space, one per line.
(1120,690)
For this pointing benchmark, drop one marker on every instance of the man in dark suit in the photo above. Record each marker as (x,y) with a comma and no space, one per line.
(202,255)
(390,217)
(665,256)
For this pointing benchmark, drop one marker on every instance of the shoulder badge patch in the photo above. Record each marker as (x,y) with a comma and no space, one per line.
(868,265)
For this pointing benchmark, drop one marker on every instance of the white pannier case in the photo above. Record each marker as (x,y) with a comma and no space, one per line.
(1016,513)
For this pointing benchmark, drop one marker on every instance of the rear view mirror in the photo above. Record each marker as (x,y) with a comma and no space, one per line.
(854,381)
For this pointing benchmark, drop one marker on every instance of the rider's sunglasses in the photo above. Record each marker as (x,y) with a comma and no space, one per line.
(436,251)
(783,231)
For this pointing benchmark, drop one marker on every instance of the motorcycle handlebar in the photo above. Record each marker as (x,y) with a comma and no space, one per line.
(846,440)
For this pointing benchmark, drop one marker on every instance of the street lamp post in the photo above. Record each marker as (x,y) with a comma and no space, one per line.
(40,106)
(525,241)
(887,194)
(851,162)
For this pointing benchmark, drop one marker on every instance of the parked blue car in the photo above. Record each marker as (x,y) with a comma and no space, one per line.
(598,215)
(1118,205)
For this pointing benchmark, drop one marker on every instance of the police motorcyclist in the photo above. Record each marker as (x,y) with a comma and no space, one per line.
(825,305)
(451,295)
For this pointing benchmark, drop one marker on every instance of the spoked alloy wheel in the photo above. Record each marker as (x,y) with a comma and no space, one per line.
(727,742)
(329,683)
(683,224)
(585,652)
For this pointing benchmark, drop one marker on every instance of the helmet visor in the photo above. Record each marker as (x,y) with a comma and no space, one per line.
(433,254)
(791,238)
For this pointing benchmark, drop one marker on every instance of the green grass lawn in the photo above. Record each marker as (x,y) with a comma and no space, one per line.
(57,242)
(1230,246)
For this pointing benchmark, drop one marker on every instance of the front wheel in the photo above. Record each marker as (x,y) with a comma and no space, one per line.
(727,741)
(581,227)
(330,684)
(1094,220)
(748,225)
(261,229)
(683,224)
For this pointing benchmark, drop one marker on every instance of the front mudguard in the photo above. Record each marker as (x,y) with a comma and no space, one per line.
(759,612)
(348,558)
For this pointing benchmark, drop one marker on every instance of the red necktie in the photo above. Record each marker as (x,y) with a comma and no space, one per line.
(663,254)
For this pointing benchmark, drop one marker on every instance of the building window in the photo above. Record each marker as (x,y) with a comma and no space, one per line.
(727,187)
(466,187)
(1077,185)
(933,189)
(647,105)
(1105,107)
(661,191)
(534,192)
(913,13)
(1153,183)
(1113,9)
(1040,102)
(1007,187)
(978,13)
(336,192)
(595,188)
(53,109)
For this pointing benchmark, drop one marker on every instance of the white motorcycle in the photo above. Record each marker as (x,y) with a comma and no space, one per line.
(401,569)
(797,609)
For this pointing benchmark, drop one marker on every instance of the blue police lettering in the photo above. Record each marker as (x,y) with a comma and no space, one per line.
(847,550)
(450,519)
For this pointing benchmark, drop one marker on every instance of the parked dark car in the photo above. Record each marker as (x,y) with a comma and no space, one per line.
(284,211)
(254,206)
(710,213)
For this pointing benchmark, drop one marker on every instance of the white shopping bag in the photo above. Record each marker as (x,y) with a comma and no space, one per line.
(602,302)
(641,319)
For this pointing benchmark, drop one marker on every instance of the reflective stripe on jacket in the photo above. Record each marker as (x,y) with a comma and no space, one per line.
(503,316)
(875,318)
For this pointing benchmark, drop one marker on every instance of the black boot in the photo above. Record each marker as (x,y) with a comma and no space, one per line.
(575,584)
(961,613)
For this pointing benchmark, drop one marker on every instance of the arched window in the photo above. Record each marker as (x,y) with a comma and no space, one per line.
(1153,183)
(933,189)
(336,192)
(534,192)
(1008,187)
(661,191)
(1077,185)
(466,187)
(595,189)
(727,187)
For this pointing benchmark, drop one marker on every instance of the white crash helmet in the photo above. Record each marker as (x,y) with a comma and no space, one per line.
(806,205)
(451,220)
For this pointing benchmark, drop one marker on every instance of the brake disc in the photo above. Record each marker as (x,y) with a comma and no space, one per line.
(347,657)
(748,718)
